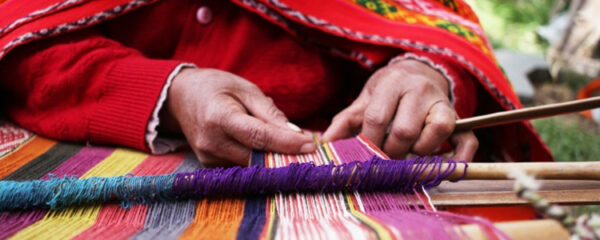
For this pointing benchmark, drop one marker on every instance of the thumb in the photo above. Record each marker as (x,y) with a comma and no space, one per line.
(263,108)
(345,124)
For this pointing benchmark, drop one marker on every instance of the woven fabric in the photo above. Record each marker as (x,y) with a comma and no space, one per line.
(300,215)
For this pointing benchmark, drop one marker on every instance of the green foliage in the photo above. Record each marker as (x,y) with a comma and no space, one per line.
(575,81)
(568,141)
(512,23)
(579,210)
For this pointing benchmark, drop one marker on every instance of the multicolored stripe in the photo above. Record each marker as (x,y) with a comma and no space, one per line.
(428,14)
(349,215)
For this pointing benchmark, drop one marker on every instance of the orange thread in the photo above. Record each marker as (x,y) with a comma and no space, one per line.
(216,219)
(29,151)
(587,91)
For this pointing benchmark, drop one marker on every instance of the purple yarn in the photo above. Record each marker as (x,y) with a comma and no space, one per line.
(464,171)
(376,174)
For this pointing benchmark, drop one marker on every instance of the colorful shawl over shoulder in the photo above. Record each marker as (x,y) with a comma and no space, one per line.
(364,31)
(367,31)
(404,213)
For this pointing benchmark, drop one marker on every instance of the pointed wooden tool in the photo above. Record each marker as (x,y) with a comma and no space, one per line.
(554,170)
(506,117)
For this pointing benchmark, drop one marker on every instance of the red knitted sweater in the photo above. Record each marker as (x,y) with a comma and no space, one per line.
(102,84)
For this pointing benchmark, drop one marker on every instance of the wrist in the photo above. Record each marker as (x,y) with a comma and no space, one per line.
(169,123)
(420,68)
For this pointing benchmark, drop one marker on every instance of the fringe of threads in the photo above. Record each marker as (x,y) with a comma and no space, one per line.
(376,174)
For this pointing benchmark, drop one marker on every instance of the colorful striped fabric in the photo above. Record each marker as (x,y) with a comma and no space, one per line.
(281,216)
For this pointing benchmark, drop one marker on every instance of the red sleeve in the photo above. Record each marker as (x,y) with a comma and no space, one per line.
(83,87)
(463,91)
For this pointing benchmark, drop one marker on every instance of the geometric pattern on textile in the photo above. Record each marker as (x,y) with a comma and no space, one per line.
(11,136)
(432,15)
(349,215)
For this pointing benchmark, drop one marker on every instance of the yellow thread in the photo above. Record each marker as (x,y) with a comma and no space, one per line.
(328,152)
(271,217)
(383,233)
(68,223)
(120,162)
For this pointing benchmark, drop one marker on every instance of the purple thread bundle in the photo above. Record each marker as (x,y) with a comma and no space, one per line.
(376,174)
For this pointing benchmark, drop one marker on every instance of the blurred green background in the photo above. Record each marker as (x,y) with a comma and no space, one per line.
(512,24)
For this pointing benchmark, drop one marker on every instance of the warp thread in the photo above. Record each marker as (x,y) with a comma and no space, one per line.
(376,174)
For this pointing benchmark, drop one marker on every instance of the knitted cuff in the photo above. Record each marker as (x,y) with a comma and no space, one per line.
(160,145)
(133,86)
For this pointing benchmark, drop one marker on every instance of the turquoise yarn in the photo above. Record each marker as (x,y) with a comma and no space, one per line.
(58,193)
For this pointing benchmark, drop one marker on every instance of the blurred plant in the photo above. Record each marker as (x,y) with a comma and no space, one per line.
(568,140)
(512,23)
(574,80)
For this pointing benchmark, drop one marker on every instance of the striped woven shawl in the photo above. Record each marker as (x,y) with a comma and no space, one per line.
(338,214)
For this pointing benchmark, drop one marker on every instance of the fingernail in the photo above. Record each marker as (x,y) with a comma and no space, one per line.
(308,148)
(294,127)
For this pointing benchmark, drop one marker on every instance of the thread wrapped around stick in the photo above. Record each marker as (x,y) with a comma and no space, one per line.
(376,174)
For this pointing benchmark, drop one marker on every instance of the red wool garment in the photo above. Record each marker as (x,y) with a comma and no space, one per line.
(101,80)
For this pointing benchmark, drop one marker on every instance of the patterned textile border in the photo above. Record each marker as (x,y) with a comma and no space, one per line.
(12,137)
(39,13)
(335,215)
(410,44)
(274,16)
(70,26)
(433,16)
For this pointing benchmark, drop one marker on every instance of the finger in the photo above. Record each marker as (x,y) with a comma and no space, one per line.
(345,124)
(407,126)
(257,134)
(439,124)
(379,113)
(263,107)
(465,145)
(217,149)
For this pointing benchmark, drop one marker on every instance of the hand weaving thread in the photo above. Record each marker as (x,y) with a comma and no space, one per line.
(376,174)
(384,215)
(304,215)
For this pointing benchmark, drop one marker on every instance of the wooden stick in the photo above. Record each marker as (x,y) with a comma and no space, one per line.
(501,193)
(500,118)
(541,170)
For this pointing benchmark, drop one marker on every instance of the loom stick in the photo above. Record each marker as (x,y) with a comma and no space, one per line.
(501,192)
(506,117)
(541,170)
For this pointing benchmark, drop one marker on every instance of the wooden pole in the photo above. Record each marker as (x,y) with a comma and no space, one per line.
(506,117)
(541,170)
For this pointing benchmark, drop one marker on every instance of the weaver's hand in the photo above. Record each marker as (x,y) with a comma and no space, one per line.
(404,107)
(224,117)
